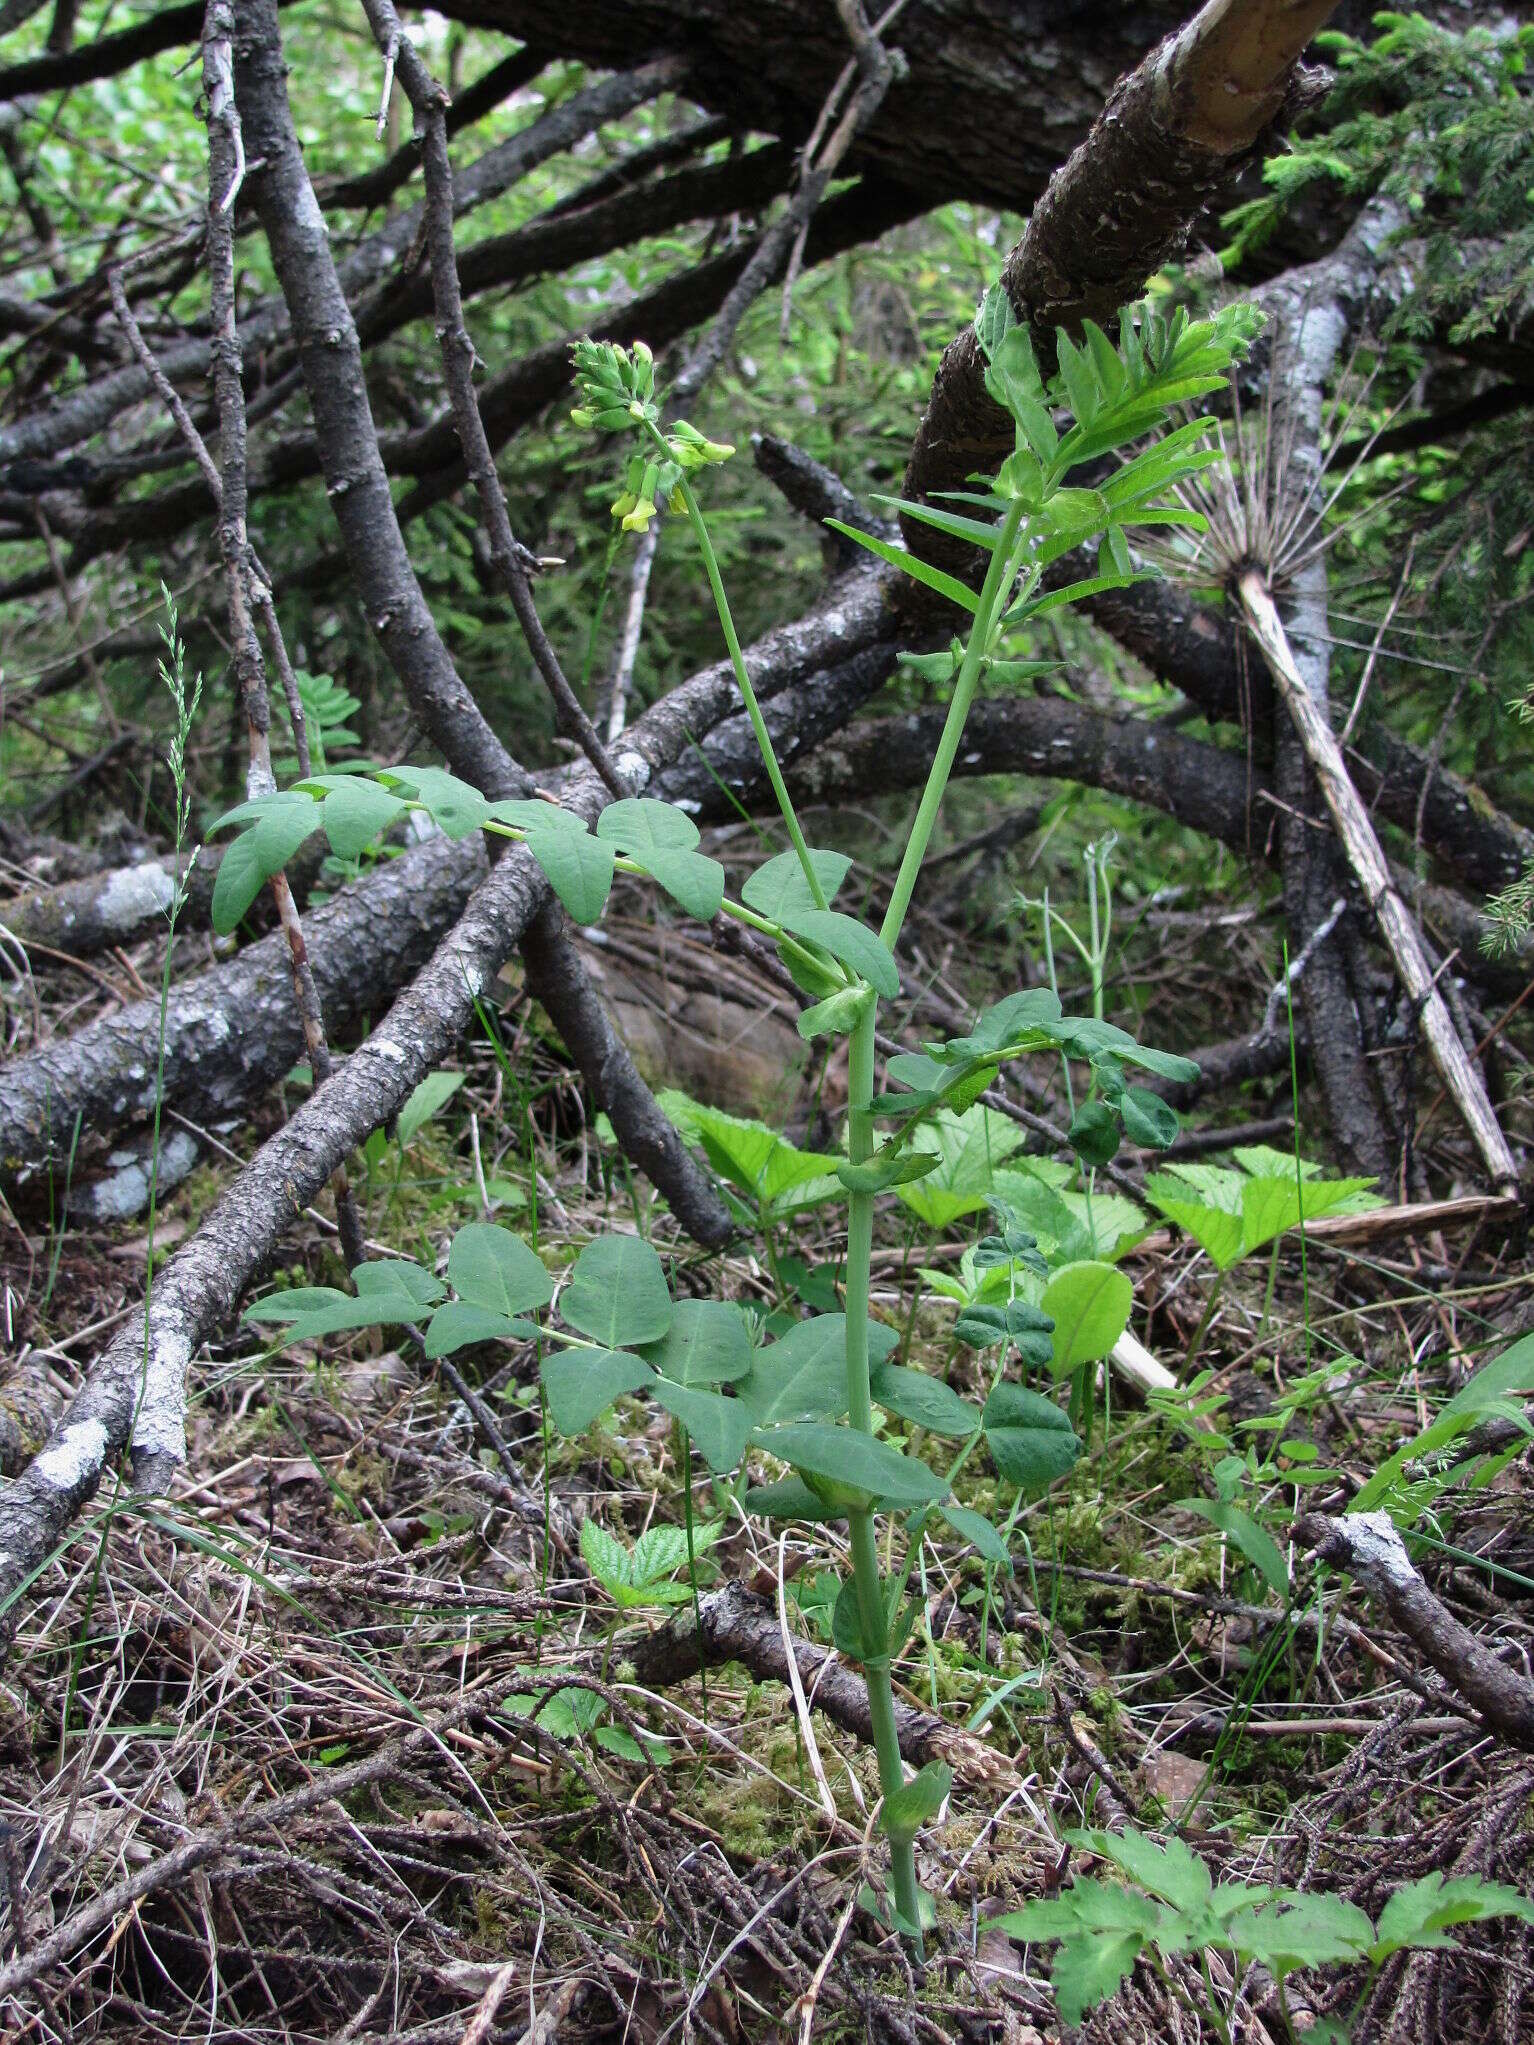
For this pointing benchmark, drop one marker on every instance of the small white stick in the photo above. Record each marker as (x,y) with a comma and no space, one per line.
(801,1703)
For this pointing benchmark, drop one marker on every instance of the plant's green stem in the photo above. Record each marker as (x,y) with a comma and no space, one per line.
(872,1614)
(692,1562)
(748,694)
(1299,1181)
(1267,1297)
(998,580)
(1206,1317)
(60,1229)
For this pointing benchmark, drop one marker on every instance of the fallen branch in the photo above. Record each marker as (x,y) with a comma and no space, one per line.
(233,1031)
(735,1625)
(1362,847)
(1370,1549)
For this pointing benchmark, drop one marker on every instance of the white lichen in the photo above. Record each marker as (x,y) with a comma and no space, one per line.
(1376,1549)
(133,895)
(75,1458)
(159,1422)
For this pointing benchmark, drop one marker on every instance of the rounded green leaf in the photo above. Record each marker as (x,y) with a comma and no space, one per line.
(579,868)
(639,824)
(850,943)
(924,1401)
(1148,1119)
(708,1343)
(492,1268)
(456,807)
(460,1322)
(528,815)
(1094,1133)
(1089,1303)
(692,880)
(617,1293)
(293,1304)
(393,1276)
(803,1375)
(719,1426)
(850,1467)
(780,886)
(581,1383)
(282,824)
(1031,1441)
(355,812)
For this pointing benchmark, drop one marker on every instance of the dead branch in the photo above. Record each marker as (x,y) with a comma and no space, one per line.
(233,1030)
(1370,1549)
(1368,863)
(739,1626)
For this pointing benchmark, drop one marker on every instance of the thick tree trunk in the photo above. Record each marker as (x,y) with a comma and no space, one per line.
(992,97)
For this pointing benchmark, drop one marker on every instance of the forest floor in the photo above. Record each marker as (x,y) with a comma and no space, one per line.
(343,1740)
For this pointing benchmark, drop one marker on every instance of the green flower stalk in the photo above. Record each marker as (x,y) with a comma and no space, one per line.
(809,1399)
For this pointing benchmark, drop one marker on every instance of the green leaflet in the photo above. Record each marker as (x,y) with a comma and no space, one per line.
(848,1467)
(912,565)
(638,824)
(579,869)
(1089,1303)
(924,1401)
(280,824)
(1032,1443)
(780,888)
(491,1268)
(708,1343)
(803,1375)
(580,1384)
(617,1293)
(718,1425)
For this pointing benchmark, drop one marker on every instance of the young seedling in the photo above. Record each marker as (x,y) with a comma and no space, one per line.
(807,1400)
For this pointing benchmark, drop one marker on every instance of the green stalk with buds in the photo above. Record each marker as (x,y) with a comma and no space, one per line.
(825,1403)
